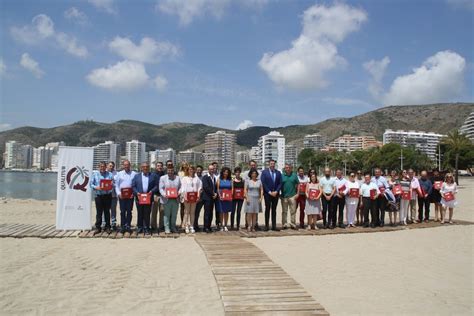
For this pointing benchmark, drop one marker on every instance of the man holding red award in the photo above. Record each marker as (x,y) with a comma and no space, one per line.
(170,185)
(369,192)
(339,199)
(124,191)
(102,184)
(381,202)
(144,186)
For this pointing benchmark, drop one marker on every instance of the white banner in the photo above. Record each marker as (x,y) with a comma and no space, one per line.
(73,210)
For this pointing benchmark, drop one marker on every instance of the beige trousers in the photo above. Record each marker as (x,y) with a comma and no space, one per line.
(188,218)
(290,203)
(155,208)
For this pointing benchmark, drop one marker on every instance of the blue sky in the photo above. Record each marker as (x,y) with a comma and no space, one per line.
(229,63)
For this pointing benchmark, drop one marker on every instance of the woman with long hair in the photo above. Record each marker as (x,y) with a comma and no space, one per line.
(238,185)
(190,189)
(224,187)
(253,198)
(448,192)
(313,201)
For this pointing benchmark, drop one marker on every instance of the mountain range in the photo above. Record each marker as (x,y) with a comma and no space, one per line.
(438,118)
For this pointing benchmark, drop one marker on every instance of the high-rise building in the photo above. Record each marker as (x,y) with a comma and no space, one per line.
(351,143)
(424,142)
(13,154)
(54,148)
(291,155)
(272,146)
(108,151)
(256,154)
(242,157)
(162,155)
(468,127)
(42,158)
(190,156)
(135,152)
(220,147)
(314,141)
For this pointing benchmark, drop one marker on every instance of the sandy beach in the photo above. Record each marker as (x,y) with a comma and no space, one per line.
(410,272)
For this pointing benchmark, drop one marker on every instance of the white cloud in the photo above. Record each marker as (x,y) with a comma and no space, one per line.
(461,4)
(314,52)
(107,6)
(160,83)
(32,65)
(244,124)
(439,79)
(76,15)
(3,67)
(148,51)
(41,29)
(124,75)
(376,68)
(5,126)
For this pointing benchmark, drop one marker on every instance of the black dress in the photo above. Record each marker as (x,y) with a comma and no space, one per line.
(435,196)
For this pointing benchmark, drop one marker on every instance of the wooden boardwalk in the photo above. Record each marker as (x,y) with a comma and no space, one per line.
(250,283)
(49,231)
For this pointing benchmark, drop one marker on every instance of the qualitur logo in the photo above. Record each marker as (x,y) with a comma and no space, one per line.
(77,178)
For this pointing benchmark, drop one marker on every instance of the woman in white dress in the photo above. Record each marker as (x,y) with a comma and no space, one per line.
(352,201)
(448,192)
(313,204)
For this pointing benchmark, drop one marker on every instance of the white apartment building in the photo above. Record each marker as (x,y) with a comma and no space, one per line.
(291,155)
(272,146)
(108,151)
(42,158)
(135,152)
(423,141)
(314,141)
(190,156)
(162,155)
(352,143)
(220,147)
(468,127)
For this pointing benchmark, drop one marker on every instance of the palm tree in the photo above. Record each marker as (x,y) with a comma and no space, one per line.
(455,143)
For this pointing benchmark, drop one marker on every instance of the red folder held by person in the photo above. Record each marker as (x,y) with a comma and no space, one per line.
(448,196)
(172,193)
(437,185)
(226,195)
(354,193)
(342,188)
(144,198)
(373,193)
(126,193)
(406,195)
(397,189)
(238,194)
(313,194)
(105,184)
(302,188)
(191,197)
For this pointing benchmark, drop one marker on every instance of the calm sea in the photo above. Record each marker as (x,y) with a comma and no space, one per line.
(28,185)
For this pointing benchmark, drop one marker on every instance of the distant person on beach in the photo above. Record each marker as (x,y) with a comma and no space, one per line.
(113,205)
(189,192)
(102,197)
(352,194)
(369,192)
(381,202)
(245,176)
(405,197)
(224,185)
(208,196)
(359,216)
(157,211)
(301,199)
(393,182)
(169,186)
(435,196)
(448,191)
(289,194)
(145,187)
(217,204)
(123,182)
(313,202)
(329,189)
(415,192)
(339,200)
(238,185)
(426,187)
(200,202)
(253,198)
(271,181)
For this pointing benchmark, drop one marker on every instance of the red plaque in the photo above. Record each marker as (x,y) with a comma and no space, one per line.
(354,193)
(373,193)
(302,188)
(191,197)
(397,189)
(144,198)
(342,188)
(406,195)
(226,195)
(238,193)
(126,193)
(171,193)
(448,196)
(437,185)
(313,194)
(105,184)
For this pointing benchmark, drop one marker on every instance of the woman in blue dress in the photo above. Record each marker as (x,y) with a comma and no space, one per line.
(224,187)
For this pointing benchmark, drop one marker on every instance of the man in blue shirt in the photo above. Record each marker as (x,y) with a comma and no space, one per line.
(381,202)
(103,198)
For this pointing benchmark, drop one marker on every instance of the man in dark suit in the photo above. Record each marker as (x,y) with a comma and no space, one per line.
(144,182)
(271,181)
(208,196)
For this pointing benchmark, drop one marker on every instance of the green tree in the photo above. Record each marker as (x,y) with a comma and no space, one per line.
(457,144)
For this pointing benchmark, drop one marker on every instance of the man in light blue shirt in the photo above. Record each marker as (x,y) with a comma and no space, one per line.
(123,180)
(328,187)
(103,198)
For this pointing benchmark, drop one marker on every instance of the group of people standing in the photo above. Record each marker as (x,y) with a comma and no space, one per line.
(223,195)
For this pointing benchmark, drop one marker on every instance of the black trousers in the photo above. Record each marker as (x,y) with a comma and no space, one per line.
(208,206)
(426,203)
(369,205)
(143,216)
(236,208)
(102,206)
(381,206)
(217,210)
(271,204)
(327,209)
(338,203)
(199,206)
(126,207)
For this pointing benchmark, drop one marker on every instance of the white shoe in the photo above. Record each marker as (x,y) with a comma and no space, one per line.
(222,229)
(191,230)
(187,230)
(225,229)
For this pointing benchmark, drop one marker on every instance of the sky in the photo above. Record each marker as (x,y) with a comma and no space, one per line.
(229,63)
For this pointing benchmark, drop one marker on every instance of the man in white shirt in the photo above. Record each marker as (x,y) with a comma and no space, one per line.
(339,198)
(369,193)
(123,180)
